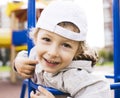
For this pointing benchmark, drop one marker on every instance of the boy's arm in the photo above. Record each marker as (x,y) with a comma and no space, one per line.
(23,65)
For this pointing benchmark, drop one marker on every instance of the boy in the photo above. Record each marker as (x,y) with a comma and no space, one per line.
(64,60)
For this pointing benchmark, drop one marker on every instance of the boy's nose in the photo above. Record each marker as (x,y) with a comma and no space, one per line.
(53,51)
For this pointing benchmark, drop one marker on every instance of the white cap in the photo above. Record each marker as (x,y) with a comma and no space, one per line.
(58,12)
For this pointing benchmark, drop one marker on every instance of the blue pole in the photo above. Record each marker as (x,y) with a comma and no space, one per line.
(31,15)
(116,30)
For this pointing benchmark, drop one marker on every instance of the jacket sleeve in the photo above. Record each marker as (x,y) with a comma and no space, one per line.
(20,54)
(25,53)
(81,84)
(97,90)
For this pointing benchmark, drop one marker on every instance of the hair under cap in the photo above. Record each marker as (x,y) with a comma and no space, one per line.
(59,11)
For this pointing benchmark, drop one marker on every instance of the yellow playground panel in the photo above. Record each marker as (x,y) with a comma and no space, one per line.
(5,37)
(6,40)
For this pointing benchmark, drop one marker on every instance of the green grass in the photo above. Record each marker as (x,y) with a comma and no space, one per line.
(106,64)
(109,63)
(4,68)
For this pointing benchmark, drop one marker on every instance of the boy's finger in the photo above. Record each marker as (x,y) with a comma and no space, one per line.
(26,75)
(28,72)
(37,93)
(32,94)
(44,91)
(29,67)
(32,62)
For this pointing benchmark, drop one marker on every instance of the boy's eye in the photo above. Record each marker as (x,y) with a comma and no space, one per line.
(46,39)
(67,45)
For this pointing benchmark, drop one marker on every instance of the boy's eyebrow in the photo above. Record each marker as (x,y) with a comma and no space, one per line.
(49,34)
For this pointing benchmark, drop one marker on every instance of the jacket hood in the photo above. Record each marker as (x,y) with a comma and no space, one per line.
(80,64)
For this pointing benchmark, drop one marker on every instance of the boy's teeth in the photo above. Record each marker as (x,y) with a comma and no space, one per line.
(53,62)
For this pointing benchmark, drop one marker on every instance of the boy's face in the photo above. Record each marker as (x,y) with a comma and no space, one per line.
(54,52)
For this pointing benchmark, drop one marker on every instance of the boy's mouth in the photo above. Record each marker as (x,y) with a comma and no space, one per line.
(51,63)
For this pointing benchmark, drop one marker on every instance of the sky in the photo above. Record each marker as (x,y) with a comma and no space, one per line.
(94,12)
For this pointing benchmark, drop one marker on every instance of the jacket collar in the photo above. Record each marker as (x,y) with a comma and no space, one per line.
(80,64)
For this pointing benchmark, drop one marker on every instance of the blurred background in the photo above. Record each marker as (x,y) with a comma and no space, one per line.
(13,28)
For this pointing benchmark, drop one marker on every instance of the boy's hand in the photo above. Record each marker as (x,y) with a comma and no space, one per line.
(25,67)
(42,93)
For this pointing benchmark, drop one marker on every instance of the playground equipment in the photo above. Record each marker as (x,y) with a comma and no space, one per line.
(19,37)
(5,37)
(15,38)
(116,28)
(115,86)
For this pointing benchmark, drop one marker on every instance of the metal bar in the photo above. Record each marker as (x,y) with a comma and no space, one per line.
(22,95)
(109,76)
(116,31)
(115,86)
(31,15)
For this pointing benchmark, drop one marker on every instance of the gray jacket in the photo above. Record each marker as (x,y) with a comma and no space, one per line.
(77,79)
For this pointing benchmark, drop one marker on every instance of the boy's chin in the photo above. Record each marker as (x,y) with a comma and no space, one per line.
(50,71)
